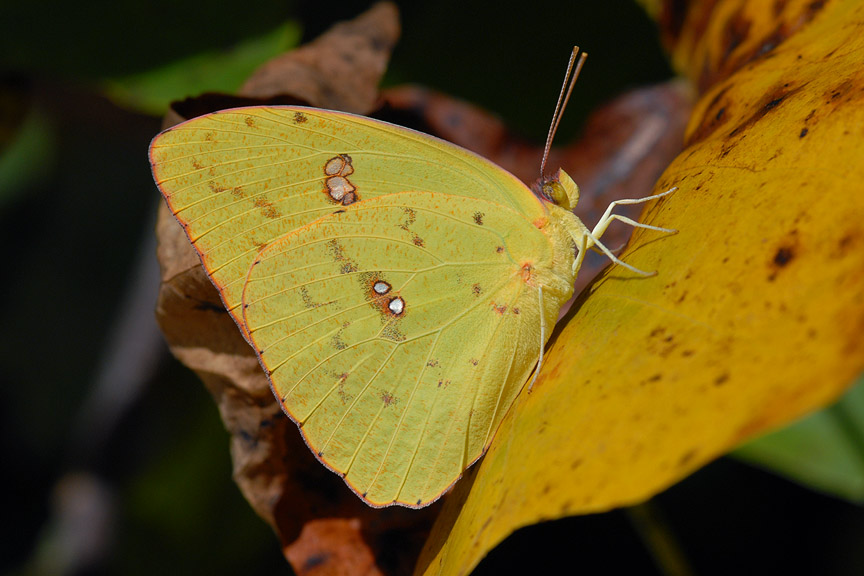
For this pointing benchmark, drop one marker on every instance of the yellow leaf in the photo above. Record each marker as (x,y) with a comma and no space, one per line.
(755,317)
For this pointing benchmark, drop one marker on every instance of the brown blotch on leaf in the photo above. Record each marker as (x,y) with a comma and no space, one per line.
(735,33)
(499,249)
(418,241)
(771,101)
(249,121)
(783,256)
(299,118)
(721,379)
(388,399)
(499,308)
(803,133)
(686,458)
(476,289)
(478,218)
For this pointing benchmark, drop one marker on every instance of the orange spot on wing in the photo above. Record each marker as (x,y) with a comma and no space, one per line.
(541,222)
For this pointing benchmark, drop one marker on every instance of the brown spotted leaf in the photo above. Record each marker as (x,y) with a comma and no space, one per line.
(756,314)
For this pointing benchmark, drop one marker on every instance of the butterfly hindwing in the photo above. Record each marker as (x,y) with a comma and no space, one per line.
(397,333)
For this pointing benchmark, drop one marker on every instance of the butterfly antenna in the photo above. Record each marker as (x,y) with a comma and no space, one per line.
(574,67)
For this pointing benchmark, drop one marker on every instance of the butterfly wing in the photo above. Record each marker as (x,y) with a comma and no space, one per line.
(398,332)
(239,179)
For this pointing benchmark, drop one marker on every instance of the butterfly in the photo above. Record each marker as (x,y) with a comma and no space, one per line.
(397,289)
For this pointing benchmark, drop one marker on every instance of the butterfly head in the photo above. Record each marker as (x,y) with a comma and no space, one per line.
(559,189)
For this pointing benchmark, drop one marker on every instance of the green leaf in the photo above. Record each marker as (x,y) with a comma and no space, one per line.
(24,162)
(824,451)
(152,91)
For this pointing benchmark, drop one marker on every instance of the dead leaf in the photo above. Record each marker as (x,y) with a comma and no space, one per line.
(322,525)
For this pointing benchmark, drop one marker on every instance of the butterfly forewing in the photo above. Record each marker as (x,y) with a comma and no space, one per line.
(239,179)
(397,333)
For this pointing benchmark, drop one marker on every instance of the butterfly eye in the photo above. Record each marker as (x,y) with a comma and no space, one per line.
(555,192)
(560,189)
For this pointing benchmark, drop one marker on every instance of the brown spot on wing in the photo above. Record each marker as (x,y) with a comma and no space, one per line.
(267,208)
(344,397)
(337,186)
(308,302)
(337,252)
(215,188)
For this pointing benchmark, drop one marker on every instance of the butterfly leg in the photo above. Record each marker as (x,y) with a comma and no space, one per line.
(580,252)
(542,337)
(589,240)
(607,219)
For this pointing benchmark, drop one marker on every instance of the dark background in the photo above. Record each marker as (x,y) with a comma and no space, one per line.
(94,413)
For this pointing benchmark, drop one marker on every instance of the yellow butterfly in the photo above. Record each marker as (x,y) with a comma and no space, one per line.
(396,288)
